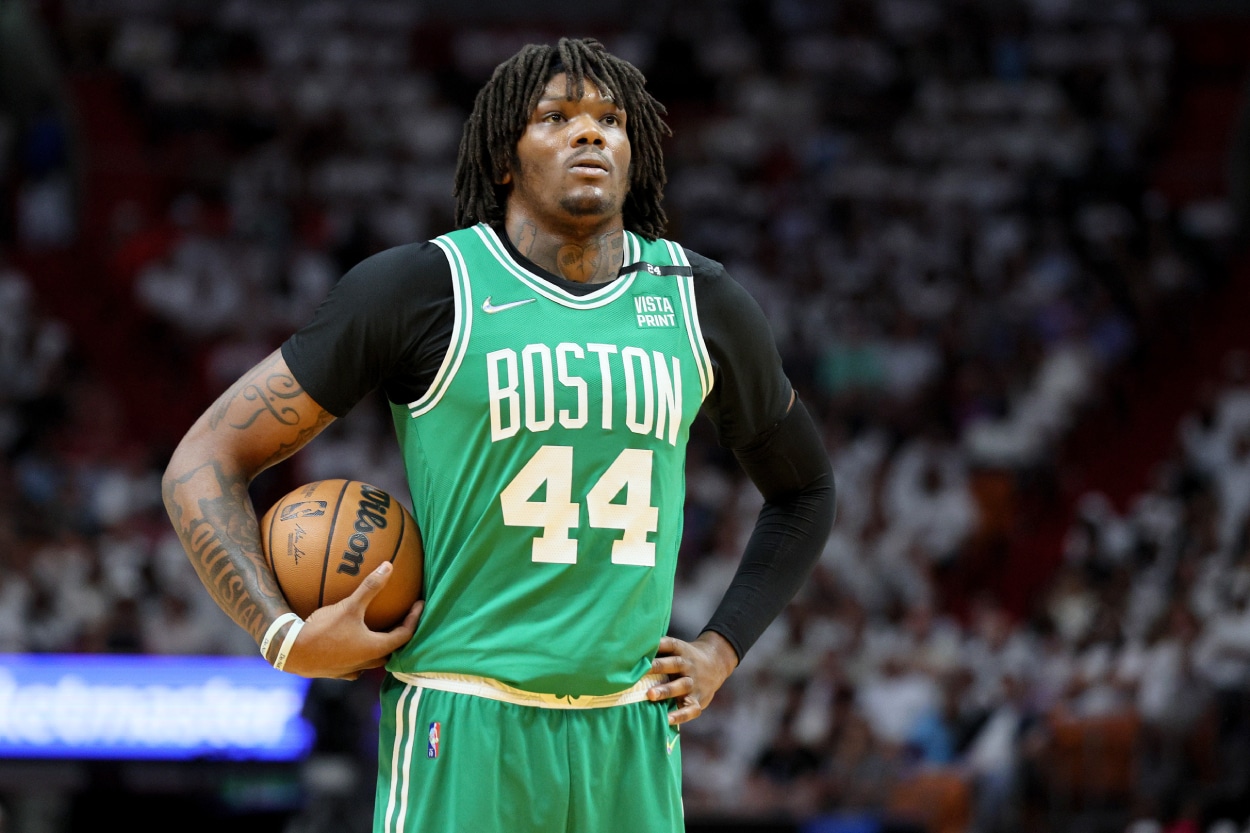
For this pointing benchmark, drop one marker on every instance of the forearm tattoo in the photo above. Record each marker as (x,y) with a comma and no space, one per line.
(218,530)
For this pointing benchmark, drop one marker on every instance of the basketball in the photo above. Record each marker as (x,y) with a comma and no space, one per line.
(323,538)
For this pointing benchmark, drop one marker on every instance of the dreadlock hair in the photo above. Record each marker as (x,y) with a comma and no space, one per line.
(502,111)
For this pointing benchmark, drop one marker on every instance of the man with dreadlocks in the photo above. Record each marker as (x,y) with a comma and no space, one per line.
(544,363)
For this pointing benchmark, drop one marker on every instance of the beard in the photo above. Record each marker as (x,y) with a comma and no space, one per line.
(589,203)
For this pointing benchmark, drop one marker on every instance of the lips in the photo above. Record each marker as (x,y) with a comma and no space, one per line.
(590,162)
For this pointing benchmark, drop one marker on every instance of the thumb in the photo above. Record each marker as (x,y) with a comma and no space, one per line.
(372,584)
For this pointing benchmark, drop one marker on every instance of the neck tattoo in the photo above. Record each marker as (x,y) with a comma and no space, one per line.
(595,261)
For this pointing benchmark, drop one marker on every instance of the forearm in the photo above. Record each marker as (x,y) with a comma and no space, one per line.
(791,468)
(788,539)
(213,516)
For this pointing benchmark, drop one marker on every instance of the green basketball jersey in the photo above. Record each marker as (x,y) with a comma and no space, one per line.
(547,469)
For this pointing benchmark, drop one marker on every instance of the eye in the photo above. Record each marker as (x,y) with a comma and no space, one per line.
(612,120)
(553,117)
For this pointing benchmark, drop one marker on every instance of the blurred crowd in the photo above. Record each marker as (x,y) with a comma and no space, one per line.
(1125,690)
(943,206)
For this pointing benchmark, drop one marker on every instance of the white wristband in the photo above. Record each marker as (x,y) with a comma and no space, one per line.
(273,631)
(285,650)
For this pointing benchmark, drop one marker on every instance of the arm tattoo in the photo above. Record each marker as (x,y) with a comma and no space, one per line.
(219,532)
(287,449)
(267,389)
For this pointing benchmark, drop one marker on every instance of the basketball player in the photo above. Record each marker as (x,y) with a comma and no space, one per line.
(543,363)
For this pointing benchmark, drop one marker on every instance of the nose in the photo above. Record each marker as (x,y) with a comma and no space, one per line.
(586,131)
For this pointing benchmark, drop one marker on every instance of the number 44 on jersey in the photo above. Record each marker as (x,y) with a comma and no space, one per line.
(557,515)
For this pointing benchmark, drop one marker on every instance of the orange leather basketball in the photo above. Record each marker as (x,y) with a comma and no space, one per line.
(323,538)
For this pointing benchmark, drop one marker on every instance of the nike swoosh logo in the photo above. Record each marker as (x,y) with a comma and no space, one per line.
(489,308)
(673,742)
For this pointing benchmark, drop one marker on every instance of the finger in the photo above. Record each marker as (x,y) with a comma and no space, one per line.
(674,688)
(670,645)
(414,615)
(399,635)
(671,665)
(690,709)
(354,672)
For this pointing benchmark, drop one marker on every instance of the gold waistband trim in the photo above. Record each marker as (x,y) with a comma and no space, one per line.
(495,690)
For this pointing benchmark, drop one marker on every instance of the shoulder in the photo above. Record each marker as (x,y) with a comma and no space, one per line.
(705,269)
(394,278)
(719,295)
(399,264)
(752,392)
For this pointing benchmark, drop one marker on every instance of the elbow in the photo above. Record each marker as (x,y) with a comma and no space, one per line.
(805,513)
(183,460)
(821,496)
(174,475)
(831,502)
(181,481)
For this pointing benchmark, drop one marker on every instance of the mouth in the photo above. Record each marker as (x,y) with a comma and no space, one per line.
(590,166)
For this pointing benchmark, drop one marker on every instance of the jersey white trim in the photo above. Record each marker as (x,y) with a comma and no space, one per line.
(632,250)
(703,361)
(600,297)
(461,327)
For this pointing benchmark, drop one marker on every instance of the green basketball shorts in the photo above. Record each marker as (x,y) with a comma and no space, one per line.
(462,754)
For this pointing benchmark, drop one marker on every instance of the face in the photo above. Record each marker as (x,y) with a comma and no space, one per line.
(573,158)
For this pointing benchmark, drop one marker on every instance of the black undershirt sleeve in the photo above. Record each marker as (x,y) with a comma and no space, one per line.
(774,439)
(385,324)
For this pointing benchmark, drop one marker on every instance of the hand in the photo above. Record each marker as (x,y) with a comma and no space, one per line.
(335,641)
(696,671)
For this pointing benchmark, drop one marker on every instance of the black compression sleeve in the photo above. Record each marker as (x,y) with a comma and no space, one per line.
(790,467)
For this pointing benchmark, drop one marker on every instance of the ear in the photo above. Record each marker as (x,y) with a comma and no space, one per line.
(506,179)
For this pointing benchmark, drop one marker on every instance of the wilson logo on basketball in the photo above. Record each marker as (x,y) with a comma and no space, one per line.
(370,515)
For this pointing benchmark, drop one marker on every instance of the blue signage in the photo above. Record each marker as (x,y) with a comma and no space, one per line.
(109,706)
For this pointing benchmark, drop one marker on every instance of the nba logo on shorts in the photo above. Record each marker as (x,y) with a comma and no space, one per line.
(431,749)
